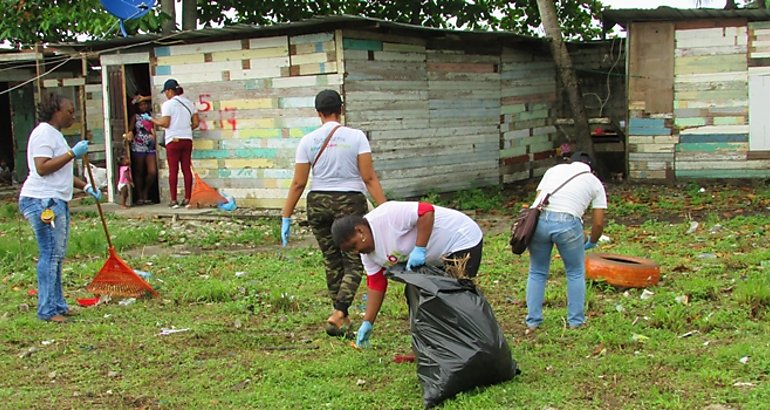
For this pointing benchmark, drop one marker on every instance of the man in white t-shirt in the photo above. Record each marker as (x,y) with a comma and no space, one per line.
(179,117)
(45,196)
(417,233)
(561,224)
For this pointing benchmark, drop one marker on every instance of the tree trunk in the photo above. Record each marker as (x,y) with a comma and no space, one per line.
(730,5)
(189,15)
(167,6)
(567,75)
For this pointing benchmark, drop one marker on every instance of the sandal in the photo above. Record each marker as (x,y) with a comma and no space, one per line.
(57,319)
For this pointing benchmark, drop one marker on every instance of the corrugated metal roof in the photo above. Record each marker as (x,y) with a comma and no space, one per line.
(622,17)
(315,24)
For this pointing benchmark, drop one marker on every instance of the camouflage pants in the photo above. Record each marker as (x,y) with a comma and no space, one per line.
(343,269)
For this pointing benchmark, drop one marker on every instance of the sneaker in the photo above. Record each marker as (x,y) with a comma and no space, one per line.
(185,203)
(173,204)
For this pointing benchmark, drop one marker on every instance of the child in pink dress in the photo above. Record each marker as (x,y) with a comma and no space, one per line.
(124,180)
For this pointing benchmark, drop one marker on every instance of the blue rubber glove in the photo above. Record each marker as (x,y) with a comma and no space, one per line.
(416,258)
(80,149)
(145,116)
(97,194)
(363,334)
(285,230)
(589,245)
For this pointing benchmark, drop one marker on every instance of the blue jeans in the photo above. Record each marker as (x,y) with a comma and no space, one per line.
(566,232)
(52,247)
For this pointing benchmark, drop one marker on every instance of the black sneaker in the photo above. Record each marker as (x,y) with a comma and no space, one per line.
(173,204)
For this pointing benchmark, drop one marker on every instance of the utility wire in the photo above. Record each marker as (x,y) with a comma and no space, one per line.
(36,77)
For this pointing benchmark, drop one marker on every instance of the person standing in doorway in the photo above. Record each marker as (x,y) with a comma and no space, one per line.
(179,117)
(561,224)
(341,162)
(141,136)
(44,200)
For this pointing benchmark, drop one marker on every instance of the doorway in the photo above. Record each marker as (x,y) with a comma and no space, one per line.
(124,83)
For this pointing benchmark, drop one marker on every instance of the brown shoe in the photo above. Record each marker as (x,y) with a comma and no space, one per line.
(530,331)
(57,319)
(70,313)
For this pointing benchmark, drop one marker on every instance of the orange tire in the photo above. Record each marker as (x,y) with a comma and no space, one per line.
(621,270)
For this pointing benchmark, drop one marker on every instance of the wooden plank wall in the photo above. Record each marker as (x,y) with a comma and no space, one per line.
(431,114)
(255,98)
(95,121)
(711,101)
(527,130)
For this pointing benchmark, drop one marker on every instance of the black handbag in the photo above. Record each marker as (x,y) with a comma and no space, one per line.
(526,221)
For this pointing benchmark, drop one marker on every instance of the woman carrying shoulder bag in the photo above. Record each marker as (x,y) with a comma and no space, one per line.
(341,161)
(179,117)
(561,224)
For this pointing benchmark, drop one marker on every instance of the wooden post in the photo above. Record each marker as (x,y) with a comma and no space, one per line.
(39,67)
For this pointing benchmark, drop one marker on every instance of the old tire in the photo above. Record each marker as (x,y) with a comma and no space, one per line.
(621,270)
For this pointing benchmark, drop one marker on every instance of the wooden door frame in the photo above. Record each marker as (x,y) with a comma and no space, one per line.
(115,60)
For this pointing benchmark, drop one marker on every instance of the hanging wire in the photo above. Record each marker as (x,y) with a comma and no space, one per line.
(36,77)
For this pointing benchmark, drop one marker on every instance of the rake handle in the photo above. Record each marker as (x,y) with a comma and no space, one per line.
(98,204)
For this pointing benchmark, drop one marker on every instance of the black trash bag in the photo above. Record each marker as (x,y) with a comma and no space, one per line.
(456,339)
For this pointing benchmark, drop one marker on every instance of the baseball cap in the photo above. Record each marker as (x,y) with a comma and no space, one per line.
(170,84)
(328,100)
(581,156)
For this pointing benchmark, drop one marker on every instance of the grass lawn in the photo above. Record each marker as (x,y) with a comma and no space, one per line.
(251,316)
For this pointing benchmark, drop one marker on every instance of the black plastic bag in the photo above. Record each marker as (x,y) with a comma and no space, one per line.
(455,337)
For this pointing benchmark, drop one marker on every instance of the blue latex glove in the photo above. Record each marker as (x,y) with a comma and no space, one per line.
(416,258)
(285,230)
(145,116)
(363,334)
(80,149)
(97,194)
(589,245)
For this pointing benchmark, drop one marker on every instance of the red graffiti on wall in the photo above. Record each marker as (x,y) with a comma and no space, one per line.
(227,115)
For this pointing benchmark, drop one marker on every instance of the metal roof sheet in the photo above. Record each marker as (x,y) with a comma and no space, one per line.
(315,24)
(622,17)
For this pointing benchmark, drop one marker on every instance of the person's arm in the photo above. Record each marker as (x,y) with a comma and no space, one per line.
(163,121)
(366,169)
(424,223)
(129,135)
(45,166)
(597,225)
(374,300)
(195,121)
(79,183)
(298,183)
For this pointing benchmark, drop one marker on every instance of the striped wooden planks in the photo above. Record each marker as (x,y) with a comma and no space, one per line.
(527,131)
(255,100)
(651,148)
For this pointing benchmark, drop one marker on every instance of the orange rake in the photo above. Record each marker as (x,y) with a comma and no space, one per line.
(115,278)
(204,195)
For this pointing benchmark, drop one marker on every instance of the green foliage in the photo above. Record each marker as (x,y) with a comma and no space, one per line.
(27,21)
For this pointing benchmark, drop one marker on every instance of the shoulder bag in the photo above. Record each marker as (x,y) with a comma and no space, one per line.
(526,222)
(323,146)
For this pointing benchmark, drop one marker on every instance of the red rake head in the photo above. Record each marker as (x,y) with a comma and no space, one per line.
(116,278)
(204,195)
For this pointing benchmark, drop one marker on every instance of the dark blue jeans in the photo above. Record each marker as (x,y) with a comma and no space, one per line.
(52,247)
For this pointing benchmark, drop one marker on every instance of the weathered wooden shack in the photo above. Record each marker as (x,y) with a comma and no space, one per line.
(444,109)
(698,92)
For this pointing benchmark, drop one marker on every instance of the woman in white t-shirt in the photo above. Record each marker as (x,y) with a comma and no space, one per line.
(561,224)
(179,117)
(44,200)
(341,161)
(417,233)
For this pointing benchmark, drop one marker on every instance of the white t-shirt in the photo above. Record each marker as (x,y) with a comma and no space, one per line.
(574,197)
(337,167)
(394,228)
(181,110)
(45,141)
